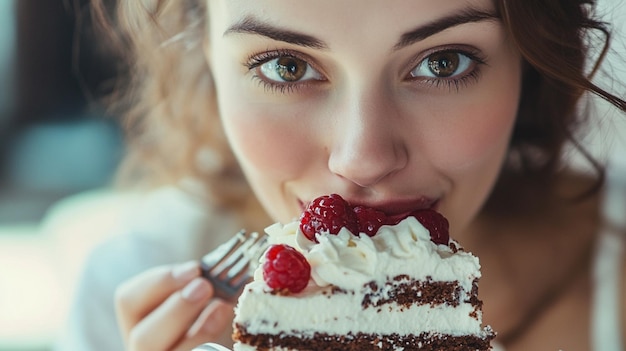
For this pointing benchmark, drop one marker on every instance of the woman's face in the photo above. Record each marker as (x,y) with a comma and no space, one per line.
(399,105)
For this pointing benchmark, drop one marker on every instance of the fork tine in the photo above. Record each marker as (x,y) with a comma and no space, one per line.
(238,273)
(228,267)
(244,259)
(235,256)
(222,251)
(258,249)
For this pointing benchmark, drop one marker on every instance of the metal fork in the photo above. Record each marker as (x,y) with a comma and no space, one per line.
(229,266)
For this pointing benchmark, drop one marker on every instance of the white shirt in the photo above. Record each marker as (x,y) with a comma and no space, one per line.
(166,226)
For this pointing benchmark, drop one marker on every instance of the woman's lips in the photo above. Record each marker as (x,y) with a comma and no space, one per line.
(402,208)
(393,208)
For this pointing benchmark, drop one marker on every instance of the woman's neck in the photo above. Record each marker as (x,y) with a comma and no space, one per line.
(532,247)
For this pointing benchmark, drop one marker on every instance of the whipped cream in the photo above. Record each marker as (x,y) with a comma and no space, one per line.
(350,261)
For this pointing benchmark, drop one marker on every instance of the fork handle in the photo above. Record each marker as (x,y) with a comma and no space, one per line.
(210,347)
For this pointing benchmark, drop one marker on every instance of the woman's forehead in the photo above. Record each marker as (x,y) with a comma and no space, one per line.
(329,18)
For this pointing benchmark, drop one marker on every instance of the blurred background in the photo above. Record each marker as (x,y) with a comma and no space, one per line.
(58,154)
(59,151)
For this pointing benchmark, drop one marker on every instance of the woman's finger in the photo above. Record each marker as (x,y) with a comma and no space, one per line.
(214,324)
(139,296)
(168,324)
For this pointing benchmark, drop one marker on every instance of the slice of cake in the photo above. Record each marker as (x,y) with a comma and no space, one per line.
(399,284)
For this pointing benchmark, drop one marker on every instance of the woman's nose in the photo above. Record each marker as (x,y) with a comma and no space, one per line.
(368,141)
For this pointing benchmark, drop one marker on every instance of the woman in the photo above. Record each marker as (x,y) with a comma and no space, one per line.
(394,104)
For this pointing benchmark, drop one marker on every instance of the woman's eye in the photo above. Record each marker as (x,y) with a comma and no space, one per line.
(445,64)
(287,69)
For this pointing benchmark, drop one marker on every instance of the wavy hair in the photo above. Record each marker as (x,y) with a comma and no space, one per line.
(165,95)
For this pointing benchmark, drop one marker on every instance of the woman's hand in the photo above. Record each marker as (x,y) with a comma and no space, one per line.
(170,308)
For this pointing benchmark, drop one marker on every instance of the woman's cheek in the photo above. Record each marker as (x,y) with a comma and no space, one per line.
(477,130)
(470,157)
(477,144)
(268,138)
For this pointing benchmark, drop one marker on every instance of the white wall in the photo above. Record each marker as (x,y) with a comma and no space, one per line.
(606,135)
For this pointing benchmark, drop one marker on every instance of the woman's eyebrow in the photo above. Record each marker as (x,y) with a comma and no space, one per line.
(439,25)
(252,25)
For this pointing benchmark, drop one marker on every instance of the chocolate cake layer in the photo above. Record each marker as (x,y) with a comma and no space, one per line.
(405,291)
(362,342)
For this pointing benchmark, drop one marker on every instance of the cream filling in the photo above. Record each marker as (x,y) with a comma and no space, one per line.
(342,313)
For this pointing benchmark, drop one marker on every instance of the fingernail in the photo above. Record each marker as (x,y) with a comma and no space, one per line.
(184,272)
(197,290)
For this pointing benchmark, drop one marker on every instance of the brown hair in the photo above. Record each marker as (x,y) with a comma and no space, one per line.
(172,118)
(556,39)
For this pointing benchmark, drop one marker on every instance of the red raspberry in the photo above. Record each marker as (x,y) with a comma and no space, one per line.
(327,213)
(369,219)
(285,270)
(436,224)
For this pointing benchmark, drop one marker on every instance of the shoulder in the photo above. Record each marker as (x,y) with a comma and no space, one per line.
(159,227)
(92,311)
(115,260)
(164,226)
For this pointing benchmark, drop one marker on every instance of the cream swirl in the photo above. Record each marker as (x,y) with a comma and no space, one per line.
(350,261)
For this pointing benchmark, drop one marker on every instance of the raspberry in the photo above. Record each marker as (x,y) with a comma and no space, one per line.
(285,270)
(436,224)
(327,213)
(330,213)
(369,219)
